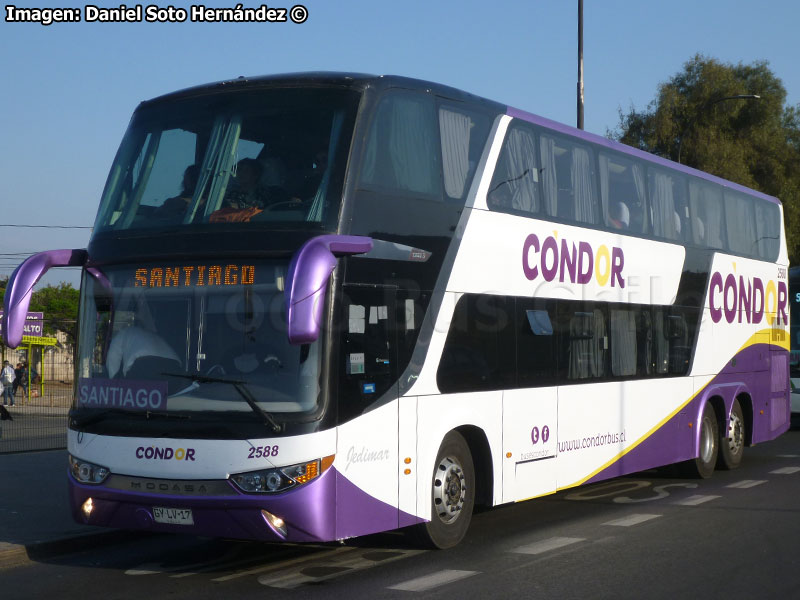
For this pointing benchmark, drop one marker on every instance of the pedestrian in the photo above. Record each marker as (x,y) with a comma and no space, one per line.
(17,379)
(22,379)
(7,378)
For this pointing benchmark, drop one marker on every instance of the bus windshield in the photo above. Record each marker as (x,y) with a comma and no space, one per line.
(206,340)
(269,155)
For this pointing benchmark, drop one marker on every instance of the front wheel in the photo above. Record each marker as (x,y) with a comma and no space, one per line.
(452,494)
(731,443)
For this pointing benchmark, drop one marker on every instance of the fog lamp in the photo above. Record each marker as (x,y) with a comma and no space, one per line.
(87,507)
(275,522)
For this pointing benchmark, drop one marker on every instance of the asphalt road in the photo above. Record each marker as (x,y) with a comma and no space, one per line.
(651,535)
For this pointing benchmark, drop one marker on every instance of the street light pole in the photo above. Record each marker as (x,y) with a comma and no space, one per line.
(580,64)
(706,105)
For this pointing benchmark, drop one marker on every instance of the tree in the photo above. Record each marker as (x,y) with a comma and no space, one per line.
(752,142)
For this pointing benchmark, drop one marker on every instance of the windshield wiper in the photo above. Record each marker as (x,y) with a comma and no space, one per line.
(239,386)
(99,416)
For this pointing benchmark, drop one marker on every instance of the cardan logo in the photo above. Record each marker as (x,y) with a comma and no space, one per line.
(155,453)
(748,299)
(570,262)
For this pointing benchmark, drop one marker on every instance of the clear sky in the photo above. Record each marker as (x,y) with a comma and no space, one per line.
(68,89)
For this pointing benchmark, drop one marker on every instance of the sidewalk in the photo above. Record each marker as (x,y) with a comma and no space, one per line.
(35,520)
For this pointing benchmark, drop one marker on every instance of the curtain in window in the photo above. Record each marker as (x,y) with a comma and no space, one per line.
(316,212)
(741,224)
(661,344)
(638,181)
(549,180)
(604,187)
(515,179)
(454,129)
(411,147)
(587,345)
(582,185)
(623,342)
(767,229)
(707,215)
(663,206)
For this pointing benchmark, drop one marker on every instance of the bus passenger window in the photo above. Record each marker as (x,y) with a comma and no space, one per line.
(622,193)
(401,151)
(668,205)
(568,180)
(515,184)
(707,212)
(587,345)
(623,342)
(463,136)
(740,218)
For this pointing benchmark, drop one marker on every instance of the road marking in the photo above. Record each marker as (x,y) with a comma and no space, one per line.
(333,566)
(323,555)
(746,483)
(788,455)
(547,545)
(631,520)
(695,500)
(428,582)
(785,471)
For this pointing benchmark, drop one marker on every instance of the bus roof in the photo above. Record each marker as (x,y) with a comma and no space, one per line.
(362,81)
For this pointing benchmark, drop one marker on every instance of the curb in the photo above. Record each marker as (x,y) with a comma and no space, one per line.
(18,555)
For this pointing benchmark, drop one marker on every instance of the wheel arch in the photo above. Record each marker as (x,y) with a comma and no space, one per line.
(482,462)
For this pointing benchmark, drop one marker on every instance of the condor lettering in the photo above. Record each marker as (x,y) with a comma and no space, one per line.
(567,261)
(156,453)
(747,299)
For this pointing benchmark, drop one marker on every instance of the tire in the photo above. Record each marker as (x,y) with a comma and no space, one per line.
(452,495)
(731,442)
(703,465)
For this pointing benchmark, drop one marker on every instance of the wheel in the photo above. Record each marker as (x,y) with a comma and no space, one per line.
(452,494)
(731,445)
(703,465)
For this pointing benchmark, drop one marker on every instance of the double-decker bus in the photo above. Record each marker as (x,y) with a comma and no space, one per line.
(794,344)
(319,306)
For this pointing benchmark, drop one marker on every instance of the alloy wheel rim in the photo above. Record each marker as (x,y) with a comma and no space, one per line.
(449,489)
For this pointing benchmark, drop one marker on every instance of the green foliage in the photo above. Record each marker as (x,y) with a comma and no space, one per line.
(753,142)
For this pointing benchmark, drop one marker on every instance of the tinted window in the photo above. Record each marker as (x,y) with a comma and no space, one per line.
(463,135)
(515,184)
(740,217)
(402,147)
(768,229)
(622,192)
(707,214)
(669,205)
(478,352)
(568,180)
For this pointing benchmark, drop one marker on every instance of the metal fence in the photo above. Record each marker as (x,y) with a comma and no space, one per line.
(42,399)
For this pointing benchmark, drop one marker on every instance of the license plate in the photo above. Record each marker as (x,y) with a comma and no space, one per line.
(173,516)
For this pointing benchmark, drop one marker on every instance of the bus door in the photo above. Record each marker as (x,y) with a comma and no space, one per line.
(367,407)
(530,416)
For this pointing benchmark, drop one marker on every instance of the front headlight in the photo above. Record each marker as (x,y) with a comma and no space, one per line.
(87,472)
(271,481)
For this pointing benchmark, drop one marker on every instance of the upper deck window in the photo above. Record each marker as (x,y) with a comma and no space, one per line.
(269,156)
(401,153)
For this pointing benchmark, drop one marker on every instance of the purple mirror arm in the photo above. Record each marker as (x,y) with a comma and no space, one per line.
(307,280)
(20,287)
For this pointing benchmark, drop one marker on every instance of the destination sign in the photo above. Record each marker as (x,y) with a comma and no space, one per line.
(195,276)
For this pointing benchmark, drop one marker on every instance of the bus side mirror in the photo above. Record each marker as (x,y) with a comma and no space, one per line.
(307,280)
(20,287)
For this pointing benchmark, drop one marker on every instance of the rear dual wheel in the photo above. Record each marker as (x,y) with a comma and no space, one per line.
(731,443)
